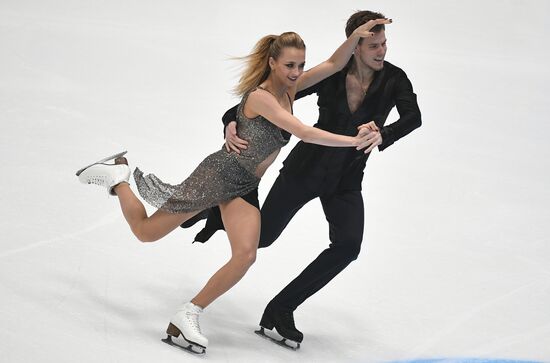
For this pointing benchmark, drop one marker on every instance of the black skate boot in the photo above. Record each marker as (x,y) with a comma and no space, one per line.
(283,321)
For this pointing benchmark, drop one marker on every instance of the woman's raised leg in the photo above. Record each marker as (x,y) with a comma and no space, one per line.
(115,178)
(147,229)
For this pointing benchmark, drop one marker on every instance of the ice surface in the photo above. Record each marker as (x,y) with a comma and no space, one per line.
(455,256)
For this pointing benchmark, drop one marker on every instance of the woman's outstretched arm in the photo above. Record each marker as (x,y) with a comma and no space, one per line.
(263,103)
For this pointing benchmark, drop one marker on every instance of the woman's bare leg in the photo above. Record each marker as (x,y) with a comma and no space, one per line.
(147,229)
(242,224)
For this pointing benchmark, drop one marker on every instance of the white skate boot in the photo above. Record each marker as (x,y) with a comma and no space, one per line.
(186,324)
(106,175)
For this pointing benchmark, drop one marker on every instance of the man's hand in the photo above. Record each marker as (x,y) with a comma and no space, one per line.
(369,135)
(232,141)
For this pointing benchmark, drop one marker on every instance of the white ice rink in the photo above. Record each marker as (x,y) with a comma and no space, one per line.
(456,257)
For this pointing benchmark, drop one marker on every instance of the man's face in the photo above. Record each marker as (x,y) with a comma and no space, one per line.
(371,51)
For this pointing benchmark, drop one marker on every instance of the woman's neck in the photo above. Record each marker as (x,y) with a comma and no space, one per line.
(278,89)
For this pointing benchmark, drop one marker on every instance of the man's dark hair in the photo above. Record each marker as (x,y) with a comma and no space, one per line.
(360,18)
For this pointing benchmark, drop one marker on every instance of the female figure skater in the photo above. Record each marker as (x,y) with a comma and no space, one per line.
(229,180)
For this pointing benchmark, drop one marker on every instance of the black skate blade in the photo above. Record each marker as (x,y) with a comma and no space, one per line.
(283,342)
(189,348)
(101,161)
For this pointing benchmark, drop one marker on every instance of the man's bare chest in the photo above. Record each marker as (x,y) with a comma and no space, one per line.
(355,93)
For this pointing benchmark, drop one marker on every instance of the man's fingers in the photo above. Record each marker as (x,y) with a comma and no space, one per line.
(241,144)
(238,140)
(372,138)
(364,131)
(364,143)
(367,129)
(366,134)
(372,126)
(231,146)
(376,142)
(232,141)
(369,125)
(370,148)
(234,148)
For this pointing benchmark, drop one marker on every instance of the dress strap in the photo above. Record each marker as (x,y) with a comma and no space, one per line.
(289,99)
(290,102)
(240,108)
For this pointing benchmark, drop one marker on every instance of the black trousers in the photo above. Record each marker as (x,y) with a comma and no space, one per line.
(344,212)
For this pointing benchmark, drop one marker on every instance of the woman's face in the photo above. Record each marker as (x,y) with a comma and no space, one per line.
(289,66)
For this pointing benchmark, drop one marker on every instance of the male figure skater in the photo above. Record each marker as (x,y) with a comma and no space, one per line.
(365,90)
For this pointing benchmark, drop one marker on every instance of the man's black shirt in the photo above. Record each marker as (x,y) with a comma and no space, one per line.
(341,168)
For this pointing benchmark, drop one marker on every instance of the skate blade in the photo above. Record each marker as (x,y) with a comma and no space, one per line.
(283,342)
(189,348)
(101,161)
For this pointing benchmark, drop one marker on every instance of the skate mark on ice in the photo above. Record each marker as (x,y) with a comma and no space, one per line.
(467,316)
(108,219)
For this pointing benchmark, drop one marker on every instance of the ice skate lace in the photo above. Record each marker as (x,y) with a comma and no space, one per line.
(98,180)
(193,319)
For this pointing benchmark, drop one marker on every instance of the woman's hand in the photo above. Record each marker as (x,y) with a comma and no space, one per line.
(368,136)
(363,31)
(339,58)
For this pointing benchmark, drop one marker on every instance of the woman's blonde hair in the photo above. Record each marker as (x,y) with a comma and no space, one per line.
(257,63)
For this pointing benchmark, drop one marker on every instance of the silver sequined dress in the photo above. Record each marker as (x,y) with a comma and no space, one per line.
(220,177)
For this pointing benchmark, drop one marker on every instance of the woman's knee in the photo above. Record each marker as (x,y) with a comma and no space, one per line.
(144,235)
(246,257)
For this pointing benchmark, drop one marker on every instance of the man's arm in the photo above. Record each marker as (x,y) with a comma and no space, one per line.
(228,116)
(307,91)
(409,114)
(232,141)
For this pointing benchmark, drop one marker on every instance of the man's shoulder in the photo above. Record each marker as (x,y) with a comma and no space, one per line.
(336,77)
(327,84)
(330,84)
(391,70)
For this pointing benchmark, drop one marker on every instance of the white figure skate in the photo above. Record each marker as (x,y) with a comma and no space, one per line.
(186,324)
(106,175)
